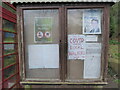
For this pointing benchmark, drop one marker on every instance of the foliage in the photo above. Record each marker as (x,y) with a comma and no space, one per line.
(117,81)
(114,21)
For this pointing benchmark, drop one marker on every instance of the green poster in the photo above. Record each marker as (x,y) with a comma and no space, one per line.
(43,26)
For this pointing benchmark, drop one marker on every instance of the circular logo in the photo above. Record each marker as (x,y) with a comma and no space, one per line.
(39,34)
(47,34)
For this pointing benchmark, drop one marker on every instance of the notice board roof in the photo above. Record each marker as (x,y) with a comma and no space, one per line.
(31,1)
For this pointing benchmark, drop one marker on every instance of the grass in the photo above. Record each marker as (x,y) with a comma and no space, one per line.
(117,81)
(114,56)
(9,40)
(8,60)
(8,72)
(8,52)
(113,52)
(8,29)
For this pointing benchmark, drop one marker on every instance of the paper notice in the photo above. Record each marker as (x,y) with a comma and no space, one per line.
(91,38)
(76,47)
(43,56)
(92,63)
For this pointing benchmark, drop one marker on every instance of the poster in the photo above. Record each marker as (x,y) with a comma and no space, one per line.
(92,21)
(76,47)
(43,27)
(43,56)
(92,62)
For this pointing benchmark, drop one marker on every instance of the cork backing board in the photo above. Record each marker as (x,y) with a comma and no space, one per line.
(29,17)
(74,67)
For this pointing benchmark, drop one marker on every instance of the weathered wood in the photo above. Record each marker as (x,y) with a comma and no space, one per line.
(67,83)
(63,37)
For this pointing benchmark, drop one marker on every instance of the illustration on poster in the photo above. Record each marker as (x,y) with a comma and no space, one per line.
(39,34)
(47,34)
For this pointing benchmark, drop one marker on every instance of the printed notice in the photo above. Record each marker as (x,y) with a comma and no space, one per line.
(43,26)
(92,63)
(76,47)
(91,38)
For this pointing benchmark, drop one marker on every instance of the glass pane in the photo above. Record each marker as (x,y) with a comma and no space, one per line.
(0,62)
(0,86)
(9,83)
(0,69)
(0,50)
(9,48)
(9,71)
(84,38)
(0,36)
(0,53)
(0,21)
(8,60)
(8,26)
(8,8)
(41,35)
(9,37)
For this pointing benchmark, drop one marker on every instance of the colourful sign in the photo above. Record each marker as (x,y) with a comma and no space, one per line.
(43,27)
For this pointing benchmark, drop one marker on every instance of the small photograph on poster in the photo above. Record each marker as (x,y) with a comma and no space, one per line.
(92,21)
(43,27)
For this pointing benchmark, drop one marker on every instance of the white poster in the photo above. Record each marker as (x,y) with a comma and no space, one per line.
(92,21)
(43,56)
(91,38)
(92,63)
(76,47)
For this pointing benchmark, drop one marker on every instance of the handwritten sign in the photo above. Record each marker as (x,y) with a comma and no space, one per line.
(76,47)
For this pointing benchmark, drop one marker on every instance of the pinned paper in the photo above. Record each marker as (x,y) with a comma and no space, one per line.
(43,56)
(91,37)
(76,47)
(92,63)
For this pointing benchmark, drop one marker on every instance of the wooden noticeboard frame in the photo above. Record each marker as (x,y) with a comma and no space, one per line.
(63,41)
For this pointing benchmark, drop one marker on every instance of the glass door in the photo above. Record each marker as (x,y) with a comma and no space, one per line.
(41,38)
(84,37)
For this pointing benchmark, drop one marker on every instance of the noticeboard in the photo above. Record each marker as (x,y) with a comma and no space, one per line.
(78,37)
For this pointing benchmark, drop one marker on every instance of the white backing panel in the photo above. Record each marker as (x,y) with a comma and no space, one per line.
(43,56)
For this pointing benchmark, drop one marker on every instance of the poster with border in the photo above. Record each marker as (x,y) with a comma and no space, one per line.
(92,21)
(43,29)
